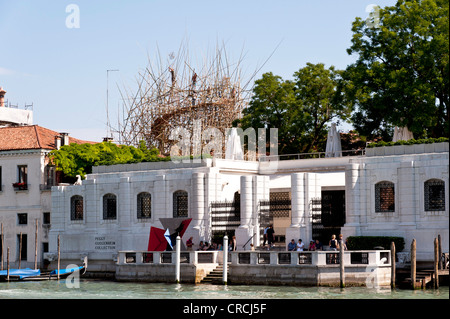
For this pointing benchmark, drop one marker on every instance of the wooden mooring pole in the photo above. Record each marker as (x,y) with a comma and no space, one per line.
(393,265)
(341,265)
(436,263)
(35,245)
(440,252)
(413,264)
(59,256)
(7,265)
(20,249)
(2,248)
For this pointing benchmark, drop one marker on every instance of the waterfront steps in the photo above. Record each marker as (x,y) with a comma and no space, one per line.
(215,276)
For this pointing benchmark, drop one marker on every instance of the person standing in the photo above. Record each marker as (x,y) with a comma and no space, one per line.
(189,244)
(265,236)
(270,236)
(334,245)
(342,242)
(233,244)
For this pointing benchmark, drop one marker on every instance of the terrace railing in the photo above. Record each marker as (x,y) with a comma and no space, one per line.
(294,258)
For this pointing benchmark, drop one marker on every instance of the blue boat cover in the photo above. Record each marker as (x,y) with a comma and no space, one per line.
(22,273)
(65,271)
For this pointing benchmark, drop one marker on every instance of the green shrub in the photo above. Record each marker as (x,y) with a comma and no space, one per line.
(409,142)
(370,242)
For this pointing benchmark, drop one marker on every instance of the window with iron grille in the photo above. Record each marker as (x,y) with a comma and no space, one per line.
(180,204)
(434,191)
(109,206)
(76,207)
(384,197)
(144,205)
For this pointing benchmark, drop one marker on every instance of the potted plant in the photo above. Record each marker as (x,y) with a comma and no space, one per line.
(20,186)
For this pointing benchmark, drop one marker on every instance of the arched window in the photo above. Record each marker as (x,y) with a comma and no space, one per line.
(76,207)
(180,204)
(434,193)
(144,205)
(109,206)
(384,197)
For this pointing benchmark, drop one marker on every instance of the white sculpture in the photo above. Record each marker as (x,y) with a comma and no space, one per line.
(78,182)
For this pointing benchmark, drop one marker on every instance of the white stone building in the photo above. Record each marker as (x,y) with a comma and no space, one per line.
(402,194)
(25,189)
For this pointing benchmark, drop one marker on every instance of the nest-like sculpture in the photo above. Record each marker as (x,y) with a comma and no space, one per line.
(177,95)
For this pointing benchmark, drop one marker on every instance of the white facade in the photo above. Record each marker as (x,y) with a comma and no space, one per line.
(20,209)
(410,218)
(215,180)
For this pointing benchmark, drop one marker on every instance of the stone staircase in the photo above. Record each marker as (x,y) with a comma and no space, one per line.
(215,277)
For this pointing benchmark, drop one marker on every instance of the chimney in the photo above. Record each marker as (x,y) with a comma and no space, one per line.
(2,97)
(58,142)
(64,139)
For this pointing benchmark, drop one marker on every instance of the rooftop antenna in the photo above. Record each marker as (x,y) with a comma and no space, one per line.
(107,101)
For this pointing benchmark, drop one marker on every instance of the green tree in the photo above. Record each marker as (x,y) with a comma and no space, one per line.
(299,108)
(401,74)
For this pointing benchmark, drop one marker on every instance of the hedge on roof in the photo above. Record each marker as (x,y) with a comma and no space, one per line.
(409,142)
(78,159)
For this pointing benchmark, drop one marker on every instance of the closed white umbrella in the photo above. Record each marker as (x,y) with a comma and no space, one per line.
(333,148)
(233,148)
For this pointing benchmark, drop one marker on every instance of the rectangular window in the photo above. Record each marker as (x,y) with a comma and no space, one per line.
(22,219)
(22,180)
(49,176)
(46,218)
(22,174)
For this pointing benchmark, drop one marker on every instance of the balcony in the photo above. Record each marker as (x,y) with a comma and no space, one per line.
(20,186)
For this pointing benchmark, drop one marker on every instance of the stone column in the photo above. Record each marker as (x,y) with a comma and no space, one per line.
(297,206)
(352,200)
(261,192)
(297,199)
(198,206)
(243,232)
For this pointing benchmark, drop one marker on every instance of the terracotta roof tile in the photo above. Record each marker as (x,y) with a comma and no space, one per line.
(30,137)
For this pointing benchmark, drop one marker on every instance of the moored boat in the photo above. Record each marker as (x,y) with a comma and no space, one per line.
(28,274)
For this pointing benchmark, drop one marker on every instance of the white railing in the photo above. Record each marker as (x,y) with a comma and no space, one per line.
(315,258)
(169,257)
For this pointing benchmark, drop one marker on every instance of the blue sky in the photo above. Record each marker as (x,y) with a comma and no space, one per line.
(62,70)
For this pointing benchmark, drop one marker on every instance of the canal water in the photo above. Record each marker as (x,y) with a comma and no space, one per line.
(95,289)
